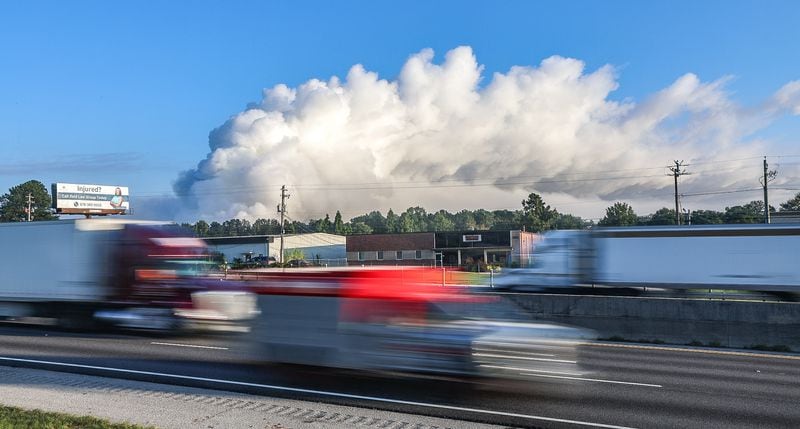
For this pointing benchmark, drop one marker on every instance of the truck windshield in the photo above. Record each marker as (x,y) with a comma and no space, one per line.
(188,267)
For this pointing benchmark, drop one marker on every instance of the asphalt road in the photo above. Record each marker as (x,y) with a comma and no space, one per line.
(623,385)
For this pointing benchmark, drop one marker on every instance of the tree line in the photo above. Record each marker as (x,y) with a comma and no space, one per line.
(534,215)
(622,214)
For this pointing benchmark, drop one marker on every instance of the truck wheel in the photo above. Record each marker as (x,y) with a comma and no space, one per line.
(77,320)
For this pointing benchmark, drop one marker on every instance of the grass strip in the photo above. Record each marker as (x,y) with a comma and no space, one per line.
(14,418)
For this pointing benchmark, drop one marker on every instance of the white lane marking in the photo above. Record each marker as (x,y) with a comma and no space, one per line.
(594,380)
(524,358)
(520,353)
(321,393)
(482,349)
(530,370)
(194,346)
(687,350)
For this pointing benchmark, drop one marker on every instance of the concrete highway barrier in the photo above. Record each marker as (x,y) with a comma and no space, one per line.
(742,324)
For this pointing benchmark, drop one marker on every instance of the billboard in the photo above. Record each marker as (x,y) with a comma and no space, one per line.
(71,198)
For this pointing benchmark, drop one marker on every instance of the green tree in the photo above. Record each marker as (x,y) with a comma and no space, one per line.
(619,214)
(506,219)
(537,216)
(215,229)
(324,225)
(373,219)
(338,224)
(14,203)
(707,217)
(201,228)
(663,216)
(293,255)
(266,226)
(793,205)
(405,223)
(465,221)
(741,214)
(236,227)
(414,219)
(441,222)
(245,227)
(568,221)
(392,222)
(484,219)
(752,212)
(293,227)
(361,228)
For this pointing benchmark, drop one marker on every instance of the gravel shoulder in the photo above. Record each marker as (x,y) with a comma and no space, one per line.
(176,407)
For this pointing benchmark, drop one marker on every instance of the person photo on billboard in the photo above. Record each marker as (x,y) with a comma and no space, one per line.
(117,200)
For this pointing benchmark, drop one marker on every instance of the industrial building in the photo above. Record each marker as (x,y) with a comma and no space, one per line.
(317,248)
(473,249)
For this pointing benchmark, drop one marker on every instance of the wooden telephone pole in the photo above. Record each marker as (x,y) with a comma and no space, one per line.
(677,172)
(282,212)
(769,175)
(30,203)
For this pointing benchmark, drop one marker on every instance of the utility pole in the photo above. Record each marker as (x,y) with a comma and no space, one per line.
(282,212)
(769,175)
(677,172)
(30,203)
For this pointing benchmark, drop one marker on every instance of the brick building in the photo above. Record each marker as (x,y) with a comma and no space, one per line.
(413,248)
(455,249)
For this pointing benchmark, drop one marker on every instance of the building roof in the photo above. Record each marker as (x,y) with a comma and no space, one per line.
(292,240)
(242,239)
(314,239)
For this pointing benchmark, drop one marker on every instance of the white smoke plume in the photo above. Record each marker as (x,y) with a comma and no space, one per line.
(445,136)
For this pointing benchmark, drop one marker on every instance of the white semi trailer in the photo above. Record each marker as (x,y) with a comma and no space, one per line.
(129,273)
(742,257)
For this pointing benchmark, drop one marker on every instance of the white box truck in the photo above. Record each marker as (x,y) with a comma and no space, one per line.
(128,273)
(742,257)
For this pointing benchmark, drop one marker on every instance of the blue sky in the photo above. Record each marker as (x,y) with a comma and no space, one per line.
(127,92)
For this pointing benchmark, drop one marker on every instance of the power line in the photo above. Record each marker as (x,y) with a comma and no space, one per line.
(733,191)
(722,161)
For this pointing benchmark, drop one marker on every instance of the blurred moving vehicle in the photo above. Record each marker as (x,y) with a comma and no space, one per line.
(755,257)
(401,321)
(132,274)
(262,260)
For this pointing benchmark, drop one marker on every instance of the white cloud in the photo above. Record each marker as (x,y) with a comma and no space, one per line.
(370,143)
(788,97)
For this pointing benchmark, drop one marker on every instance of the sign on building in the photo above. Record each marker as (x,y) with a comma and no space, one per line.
(71,198)
(471,238)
